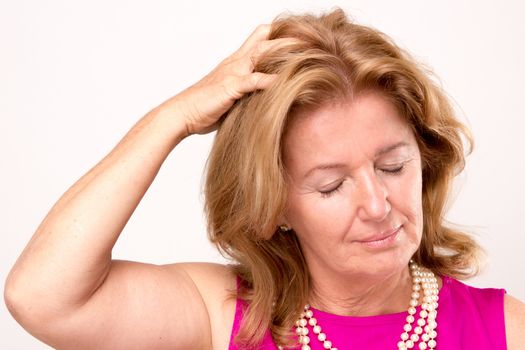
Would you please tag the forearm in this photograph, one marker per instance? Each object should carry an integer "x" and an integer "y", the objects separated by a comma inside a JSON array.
[{"x": 69, "y": 255}]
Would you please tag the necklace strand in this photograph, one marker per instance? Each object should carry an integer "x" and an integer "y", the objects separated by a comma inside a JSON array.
[{"x": 424, "y": 329}]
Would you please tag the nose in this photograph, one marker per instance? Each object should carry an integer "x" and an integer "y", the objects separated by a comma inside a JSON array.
[{"x": 373, "y": 204}]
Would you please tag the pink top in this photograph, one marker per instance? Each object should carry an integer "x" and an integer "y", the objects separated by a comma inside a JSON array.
[{"x": 468, "y": 318}]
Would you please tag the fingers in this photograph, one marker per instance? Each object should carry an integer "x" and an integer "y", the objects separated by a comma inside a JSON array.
[
  {"x": 245, "y": 58},
  {"x": 266, "y": 45},
  {"x": 260, "y": 33},
  {"x": 249, "y": 83},
  {"x": 236, "y": 86},
  {"x": 208, "y": 99},
  {"x": 244, "y": 79},
  {"x": 255, "y": 81},
  {"x": 246, "y": 64}
]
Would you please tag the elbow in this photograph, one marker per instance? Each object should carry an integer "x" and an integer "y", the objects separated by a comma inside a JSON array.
[
  {"x": 29, "y": 310},
  {"x": 25, "y": 307},
  {"x": 14, "y": 300}
]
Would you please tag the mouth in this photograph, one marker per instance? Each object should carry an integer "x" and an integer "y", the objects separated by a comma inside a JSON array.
[{"x": 381, "y": 239}]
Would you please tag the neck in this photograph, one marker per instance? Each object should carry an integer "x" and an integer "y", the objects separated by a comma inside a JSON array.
[
  {"x": 388, "y": 290},
  {"x": 362, "y": 295}
]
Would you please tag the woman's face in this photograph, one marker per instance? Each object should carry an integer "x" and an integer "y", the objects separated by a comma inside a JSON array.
[{"x": 354, "y": 196}]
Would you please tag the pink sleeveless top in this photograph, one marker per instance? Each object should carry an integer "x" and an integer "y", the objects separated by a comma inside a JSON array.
[{"x": 468, "y": 318}]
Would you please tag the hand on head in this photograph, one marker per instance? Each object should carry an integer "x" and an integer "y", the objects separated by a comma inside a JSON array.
[{"x": 207, "y": 100}]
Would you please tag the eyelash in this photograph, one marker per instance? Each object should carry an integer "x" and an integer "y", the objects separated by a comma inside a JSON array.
[{"x": 395, "y": 171}]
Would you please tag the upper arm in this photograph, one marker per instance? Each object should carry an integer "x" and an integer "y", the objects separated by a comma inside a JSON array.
[
  {"x": 218, "y": 288},
  {"x": 139, "y": 306},
  {"x": 514, "y": 322}
]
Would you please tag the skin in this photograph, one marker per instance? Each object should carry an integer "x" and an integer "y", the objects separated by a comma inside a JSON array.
[
  {"x": 67, "y": 291},
  {"x": 373, "y": 185},
  {"x": 358, "y": 190}
]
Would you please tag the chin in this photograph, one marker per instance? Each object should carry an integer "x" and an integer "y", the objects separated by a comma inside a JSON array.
[{"x": 381, "y": 262}]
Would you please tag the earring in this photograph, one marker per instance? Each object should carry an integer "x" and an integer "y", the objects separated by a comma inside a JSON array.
[{"x": 284, "y": 228}]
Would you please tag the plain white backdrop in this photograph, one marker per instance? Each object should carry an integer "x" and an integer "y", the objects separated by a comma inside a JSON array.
[{"x": 75, "y": 76}]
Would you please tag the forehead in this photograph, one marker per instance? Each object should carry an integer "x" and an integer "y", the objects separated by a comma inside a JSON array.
[{"x": 350, "y": 130}]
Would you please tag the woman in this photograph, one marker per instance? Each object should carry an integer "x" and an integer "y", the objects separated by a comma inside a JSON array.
[{"x": 328, "y": 175}]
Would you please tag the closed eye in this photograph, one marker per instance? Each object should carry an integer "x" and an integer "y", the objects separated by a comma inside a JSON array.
[
  {"x": 390, "y": 170},
  {"x": 395, "y": 170},
  {"x": 332, "y": 191}
]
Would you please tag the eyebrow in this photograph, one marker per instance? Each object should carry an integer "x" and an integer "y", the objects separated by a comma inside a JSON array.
[
  {"x": 382, "y": 151},
  {"x": 388, "y": 149}
]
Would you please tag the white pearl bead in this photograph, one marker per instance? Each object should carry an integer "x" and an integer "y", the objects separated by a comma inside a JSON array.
[
  {"x": 423, "y": 280},
  {"x": 306, "y": 339}
]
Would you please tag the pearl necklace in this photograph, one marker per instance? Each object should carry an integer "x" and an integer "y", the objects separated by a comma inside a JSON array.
[{"x": 425, "y": 327}]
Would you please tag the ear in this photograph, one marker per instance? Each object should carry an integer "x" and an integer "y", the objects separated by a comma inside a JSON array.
[
  {"x": 282, "y": 221},
  {"x": 283, "y": 224}
]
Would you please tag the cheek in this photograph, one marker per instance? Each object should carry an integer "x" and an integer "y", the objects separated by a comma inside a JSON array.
[
  {"x": 406, "y": 199},
  {"x": 313, "y": 215}
]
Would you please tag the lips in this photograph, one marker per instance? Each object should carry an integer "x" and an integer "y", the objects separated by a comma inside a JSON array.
[{"x": 380, "y": 236}]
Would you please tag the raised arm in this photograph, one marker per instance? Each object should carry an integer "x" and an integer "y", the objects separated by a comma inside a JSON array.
[{"x": 67, "y": 291}]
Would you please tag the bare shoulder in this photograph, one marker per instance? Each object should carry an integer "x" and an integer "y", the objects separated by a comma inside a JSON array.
[
  {"x": 514, "y": 322},
  {"x": 214, "y": 281},
  {"x": 217, "y": 286},
  {"x": 207, "y": 273}
]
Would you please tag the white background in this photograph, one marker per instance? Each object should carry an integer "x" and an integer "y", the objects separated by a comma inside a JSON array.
[{"x": 75, "y": 76}]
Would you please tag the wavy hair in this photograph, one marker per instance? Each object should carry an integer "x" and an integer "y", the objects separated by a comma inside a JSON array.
[{"x": 245, "y": 187}]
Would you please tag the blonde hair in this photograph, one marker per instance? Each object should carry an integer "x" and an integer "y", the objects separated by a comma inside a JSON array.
[{"x": 245, "y": 188}]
